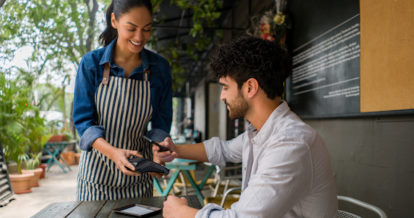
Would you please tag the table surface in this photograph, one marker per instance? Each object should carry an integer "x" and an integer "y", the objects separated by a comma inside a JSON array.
[{"x": 104, "y": 208}]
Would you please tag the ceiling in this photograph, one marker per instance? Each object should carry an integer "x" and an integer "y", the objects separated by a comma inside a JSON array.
[{"x": 172, "y": 25}]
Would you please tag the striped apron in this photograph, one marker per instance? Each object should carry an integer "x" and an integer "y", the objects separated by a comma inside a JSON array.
[{"x": 124, "y": 110}]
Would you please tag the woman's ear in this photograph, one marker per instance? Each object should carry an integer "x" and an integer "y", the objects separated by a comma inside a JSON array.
[
  {"x": 252, "y": 87},
  {"x": 114, "y": 21}
]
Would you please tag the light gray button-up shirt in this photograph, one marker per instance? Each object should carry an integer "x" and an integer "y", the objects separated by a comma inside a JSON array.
[{"x": 286, "y": 170}]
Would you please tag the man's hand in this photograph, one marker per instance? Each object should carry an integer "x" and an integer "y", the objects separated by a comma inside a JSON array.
[
  {"x": 175, "y": 207},
  {"x": 157, "y": 160},
  {"x": 165, "y": 156},
  {"x": 120, "y": 158}
]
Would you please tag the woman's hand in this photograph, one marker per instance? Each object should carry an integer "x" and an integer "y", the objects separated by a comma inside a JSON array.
[
  {"x": 120, "y": 158},
  {"x": 165, "y": 156}
]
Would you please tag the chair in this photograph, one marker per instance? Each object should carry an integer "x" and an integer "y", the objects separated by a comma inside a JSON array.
[
  {"x": 6, "y": 192},
  {"x": 226, "y": 175},
  {"x": 226, "y": 179},
  {"x": 229, "y": 201},
  {"x": 340, "y": 214},
  {"x": 346, "y": 214},
  {"x": 54, "y": 151}
]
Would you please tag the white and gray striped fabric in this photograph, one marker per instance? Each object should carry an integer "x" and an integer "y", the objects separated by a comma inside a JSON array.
[{"x": 124, "y": 110}]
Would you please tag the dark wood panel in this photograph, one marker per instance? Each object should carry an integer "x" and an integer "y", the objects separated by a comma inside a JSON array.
[
  {"x": 87, "y": 209},
  {"x": 60, "y": 209},
  {"x": 106, "y": 209}
]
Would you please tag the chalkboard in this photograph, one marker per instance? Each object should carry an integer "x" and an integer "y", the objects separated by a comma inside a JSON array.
[{"x": 326, "y": 47}]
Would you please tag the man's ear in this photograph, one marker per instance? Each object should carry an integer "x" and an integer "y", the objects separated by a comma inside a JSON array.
[
  {"x": 252, "y": 87},
  {"x": 113, "y": 21}
]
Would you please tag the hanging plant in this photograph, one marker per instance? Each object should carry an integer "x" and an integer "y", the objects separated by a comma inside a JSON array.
[{"x": 272, "y": 24}]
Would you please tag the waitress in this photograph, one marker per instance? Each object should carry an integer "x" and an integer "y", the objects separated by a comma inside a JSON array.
[{"x": 119, "y": 89}]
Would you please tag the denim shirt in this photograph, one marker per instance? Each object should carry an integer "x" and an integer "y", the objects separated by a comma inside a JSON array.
[{"x": 89, "y": 77}]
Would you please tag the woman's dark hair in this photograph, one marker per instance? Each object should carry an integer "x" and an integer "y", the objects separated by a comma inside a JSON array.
[
  {"x": 252, "y": 57},
  {"x": 119, "y": 7}
]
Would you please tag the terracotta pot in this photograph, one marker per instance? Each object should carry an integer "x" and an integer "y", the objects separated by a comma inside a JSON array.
[
  {"x": 77, "y": 158},
  {"x": 58, "y": 138},
  {"x": 34, "y": 182},
  {"x": 43, "y": 167},
  {"x": 69, "y": 157},
  {"x": 21, "y": 182}
]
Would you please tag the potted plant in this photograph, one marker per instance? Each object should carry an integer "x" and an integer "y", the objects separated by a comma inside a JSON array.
[
  {"x": 14, "y": 103},
  {"x": 31, "y": 168},
  {"x": 36, "y": 133},
  {"x": 21, "y": 183}
]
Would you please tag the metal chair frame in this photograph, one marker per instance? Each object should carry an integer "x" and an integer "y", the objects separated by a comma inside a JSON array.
[{"x": 346, "y": 214}]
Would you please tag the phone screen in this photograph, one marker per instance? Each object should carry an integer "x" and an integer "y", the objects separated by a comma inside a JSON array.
[{"x": 137, "y": 210}]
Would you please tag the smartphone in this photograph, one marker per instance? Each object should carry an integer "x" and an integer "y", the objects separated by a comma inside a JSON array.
[
  {"x": 162, "y": 148},
  {"x": 137, "y": 210}
]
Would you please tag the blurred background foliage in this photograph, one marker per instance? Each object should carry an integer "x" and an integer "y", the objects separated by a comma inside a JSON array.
[{"x": 53, "y": 35}]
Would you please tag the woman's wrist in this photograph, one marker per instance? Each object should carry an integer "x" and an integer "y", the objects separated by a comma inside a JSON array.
[{"x": 103, "y": 147}]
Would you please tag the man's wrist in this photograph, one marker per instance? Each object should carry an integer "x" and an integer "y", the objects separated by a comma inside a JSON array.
[{"x": 187, "y": 211}]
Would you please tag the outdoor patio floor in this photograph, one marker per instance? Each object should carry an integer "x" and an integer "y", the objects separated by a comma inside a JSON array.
[{"x": 56, "y": 187}]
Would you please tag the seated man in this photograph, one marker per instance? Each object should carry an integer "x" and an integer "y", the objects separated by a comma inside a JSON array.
[{"x": 286, "y": 167}]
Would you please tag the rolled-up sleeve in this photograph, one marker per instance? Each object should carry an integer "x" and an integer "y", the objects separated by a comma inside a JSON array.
[{"x": 84, "y": 111}]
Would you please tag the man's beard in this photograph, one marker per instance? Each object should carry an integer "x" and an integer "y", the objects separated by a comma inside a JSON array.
[{"x": 238, "y": 109}]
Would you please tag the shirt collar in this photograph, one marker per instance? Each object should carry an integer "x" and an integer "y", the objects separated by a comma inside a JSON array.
[
  {"x": 269, "y": 125},
  {"x": 107, "y": 55}
]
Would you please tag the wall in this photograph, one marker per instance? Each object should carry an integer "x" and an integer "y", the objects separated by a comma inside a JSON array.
[{"x": 373, "y": 160}]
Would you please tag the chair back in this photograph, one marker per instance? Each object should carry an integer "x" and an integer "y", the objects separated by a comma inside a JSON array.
[
  {"x": 6, "y": 192},
  {"x": 346, "y": 214}
]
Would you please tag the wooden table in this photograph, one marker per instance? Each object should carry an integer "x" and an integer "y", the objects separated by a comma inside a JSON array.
[{"x": 103, "y": 208}]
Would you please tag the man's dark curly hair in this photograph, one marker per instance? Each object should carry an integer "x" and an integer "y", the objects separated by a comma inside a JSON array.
[{"x": 251, "y": 57}]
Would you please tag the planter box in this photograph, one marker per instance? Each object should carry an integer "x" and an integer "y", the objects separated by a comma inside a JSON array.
[
  {"x": 69, "y": 157},
  {"x": 58, "y": 138},
  {"x": 77, "y": 158},
  {"x": 43, "y": 167}
]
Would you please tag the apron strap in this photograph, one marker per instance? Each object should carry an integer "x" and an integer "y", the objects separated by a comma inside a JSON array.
[
  {"x": 105, "y": 78},
  {"x": 146, "y": 75},
  {"x": 107, "y": 67}
]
